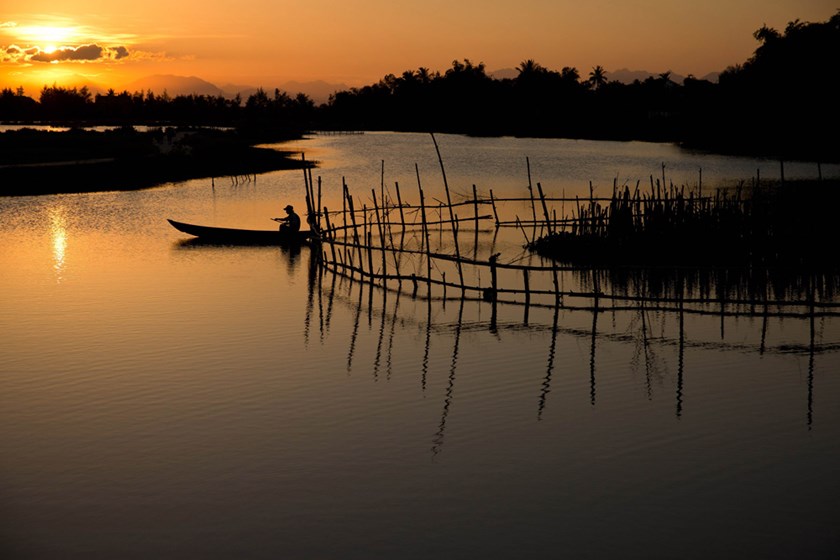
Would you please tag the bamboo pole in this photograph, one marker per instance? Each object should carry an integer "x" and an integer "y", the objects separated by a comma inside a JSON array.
[
  {"x": 531, "y": 190},
  {"x": 425, "y": 233},
  {"x": 475, "y": 241},
  {"x": 527, "y": 284},
  {"x": 369, "y": 235},
  {"x": 355, "y": 228},
  {"x": 381, "y": 241},
  {"x": 451, "y": 212},
  {"x": 330, "y": 235},
  {"x": 545, "y": 209},
  {"x": 344, "y": 197},
  {"x": 493, "y": 202},
  {"x": 491, "y": 294},
  {"x": 399, "y": 203}
]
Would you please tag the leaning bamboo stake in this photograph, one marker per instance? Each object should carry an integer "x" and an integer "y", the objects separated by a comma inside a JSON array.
[
  {"x": 303, "y": 168},
  {"x": 400, "y": 204},
  {"x": 475, "y": 206},
  {"x": 493, "y": 203},
  {"x": 545, "y": 209},
  {"x": 318, "y": 206},
  {"x": 355, "y": 228},
  {"x": 369, "y": 237},
  {"x": 492, "y": 295},
  {"x": 475, "y": 240},
  {"x": 527, "y": 284},
  {"x": 345, "y": 196},
  {"x": 396, "y": 255},
  {"x": 451, "y": 212},
  {"x": 425, "y": 234},
  {"x": 330, "y": 236},
  {"x": 382, "y": 181},
  {"x": 531, "y": 190},
  {"x": 381, "y": 241}
]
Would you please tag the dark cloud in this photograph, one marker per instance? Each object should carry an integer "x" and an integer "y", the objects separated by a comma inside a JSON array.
[
  {"x": 83, "y": 53},
  {"x": 87, "y": 52}
]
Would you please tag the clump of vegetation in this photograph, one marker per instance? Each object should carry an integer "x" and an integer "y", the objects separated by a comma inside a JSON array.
[
  {"x": 31, "y": 146},
  {"x": 790, "y": 224},
  {"x": 43, "y": 162}
]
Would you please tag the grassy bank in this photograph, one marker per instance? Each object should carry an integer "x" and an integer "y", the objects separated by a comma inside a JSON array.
[{"x": 34, "y": 162}]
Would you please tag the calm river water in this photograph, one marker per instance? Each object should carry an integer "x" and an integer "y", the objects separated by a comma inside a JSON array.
[{"x": 165, "y": 400}]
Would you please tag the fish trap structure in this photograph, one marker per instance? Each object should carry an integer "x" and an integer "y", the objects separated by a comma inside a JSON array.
[{"x": 439, "y": 249}]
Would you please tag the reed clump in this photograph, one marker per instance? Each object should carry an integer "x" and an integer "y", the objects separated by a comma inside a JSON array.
[{"x": 790, "y": 224}]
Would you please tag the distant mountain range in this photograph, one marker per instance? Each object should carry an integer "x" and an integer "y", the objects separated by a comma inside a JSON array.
[{"x": 319, "y": 90}]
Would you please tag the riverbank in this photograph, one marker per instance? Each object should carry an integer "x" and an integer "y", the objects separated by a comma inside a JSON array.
[{"x": 34, "y": 162}]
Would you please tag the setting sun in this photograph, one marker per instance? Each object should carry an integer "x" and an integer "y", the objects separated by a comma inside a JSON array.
[{"x": 47, "y": 36}]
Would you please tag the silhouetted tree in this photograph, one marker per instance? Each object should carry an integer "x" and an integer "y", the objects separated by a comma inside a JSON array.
[
  {"x": 60, "y": 103},
  {"x": 597, "y": 77},
  {"x": 15, "y": 105}
]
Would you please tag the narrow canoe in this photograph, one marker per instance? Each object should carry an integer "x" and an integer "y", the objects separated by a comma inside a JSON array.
[{"x": 233, "y": 236}]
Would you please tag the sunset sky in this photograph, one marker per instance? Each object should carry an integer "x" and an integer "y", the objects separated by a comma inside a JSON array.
[{"x": 357, "y": 42}]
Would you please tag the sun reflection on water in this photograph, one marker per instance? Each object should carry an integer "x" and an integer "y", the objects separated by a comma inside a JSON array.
[{"x": 58, "y": 232}]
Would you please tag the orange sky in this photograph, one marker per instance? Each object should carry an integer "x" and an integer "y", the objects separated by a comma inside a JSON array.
[{"x": 267, "y": 42}]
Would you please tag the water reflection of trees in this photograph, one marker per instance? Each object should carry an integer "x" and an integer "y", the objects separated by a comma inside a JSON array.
[{"x": 644, "y": 298}]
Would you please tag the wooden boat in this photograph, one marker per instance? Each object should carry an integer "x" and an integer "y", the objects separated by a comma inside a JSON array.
[{"x": 233, "y": 236}]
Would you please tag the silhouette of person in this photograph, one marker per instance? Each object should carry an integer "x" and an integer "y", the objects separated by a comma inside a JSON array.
[{"x": 291, "y": 223}]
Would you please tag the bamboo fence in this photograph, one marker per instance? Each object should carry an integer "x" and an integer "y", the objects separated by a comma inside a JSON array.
[{"x": 395, "y": 244}]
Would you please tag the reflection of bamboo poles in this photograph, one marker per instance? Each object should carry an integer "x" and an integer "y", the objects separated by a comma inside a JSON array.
[
  {"x": 552, "y": 349},
  {"x": 592, "y": 353},
  {"x": 437, "y": 440},
  {"x": 810, "y": 415},
  {"x": 389, "y": 316},
  {"x": 681, "y": 353}
]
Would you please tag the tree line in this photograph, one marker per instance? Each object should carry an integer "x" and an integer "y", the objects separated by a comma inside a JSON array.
[{"x": 778, "y": 103}]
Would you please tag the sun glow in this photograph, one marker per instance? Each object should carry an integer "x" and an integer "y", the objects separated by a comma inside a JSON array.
[{"x": 48, "y": 34}]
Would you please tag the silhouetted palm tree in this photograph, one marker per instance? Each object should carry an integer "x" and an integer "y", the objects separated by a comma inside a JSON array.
[
  {"x": 598, "y": 77},
  {"x": 424, "y": 76},
  {"x": 529, "y": 68}
]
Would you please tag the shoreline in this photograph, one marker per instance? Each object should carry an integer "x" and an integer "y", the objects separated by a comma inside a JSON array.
[
  {"x": 40, "y": 163},
  {"x": 127, "y": 174}
]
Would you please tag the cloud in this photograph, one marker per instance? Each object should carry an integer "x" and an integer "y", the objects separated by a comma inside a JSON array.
[
  {"x": 7, "y": 24},
  {"x": 82, "y": 53}
]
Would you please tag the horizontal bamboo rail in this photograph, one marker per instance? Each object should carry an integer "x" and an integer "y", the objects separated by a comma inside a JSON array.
[{"x": 348, "y": 249}]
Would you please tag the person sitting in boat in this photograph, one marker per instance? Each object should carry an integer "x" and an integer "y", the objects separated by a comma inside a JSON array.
[{"x": 291, "y": 223}]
